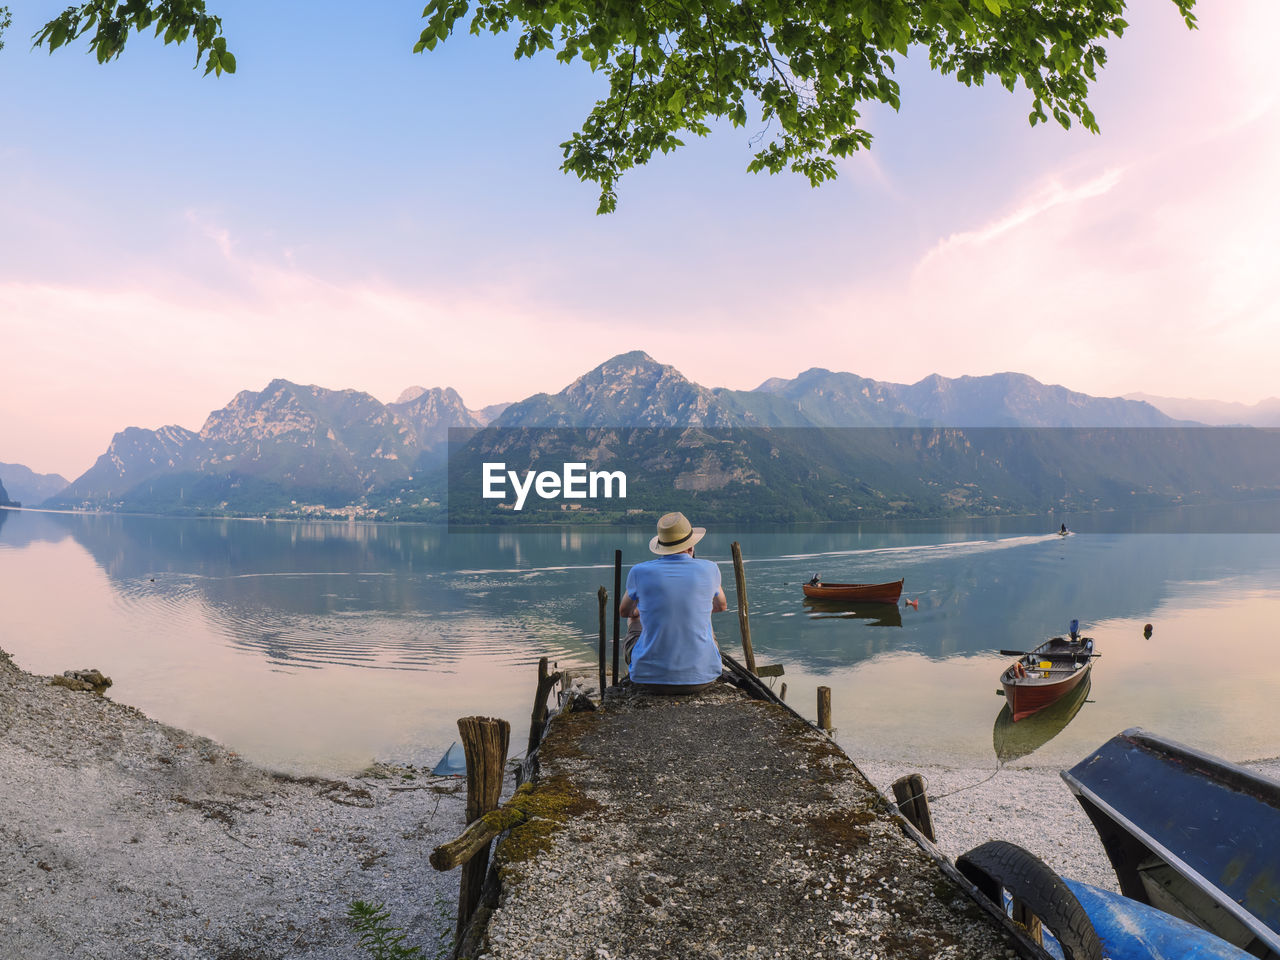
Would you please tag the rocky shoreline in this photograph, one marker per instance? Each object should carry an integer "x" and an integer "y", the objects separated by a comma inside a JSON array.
[{"x": 121, "y": 837}]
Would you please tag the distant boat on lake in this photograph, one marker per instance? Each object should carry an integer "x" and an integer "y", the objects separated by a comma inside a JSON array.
[{"x": 815, "y": 589}]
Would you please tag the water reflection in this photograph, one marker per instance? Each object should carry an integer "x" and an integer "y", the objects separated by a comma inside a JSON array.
[
  {"x": 393, "y": 631},
  {"x": 403, "y": 596},
  {"x": 875, "y": 614},
  {"x": 1012, "y": 741}
]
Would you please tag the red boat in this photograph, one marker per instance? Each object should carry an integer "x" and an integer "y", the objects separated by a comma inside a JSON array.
[
  {"x": 1046, "y": 674},
  {"x": 865, "y": 592}
]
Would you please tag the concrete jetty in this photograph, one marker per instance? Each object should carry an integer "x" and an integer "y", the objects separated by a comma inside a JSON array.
[{"x": 716, "y": 825}]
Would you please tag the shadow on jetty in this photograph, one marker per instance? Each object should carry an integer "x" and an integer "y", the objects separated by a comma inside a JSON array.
[
  {"x": 875, "y": 614},
  {"x": 1012, "y": 741}
]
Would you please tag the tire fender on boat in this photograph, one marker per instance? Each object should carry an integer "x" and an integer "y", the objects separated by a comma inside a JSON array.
[{"x": 1000, "y": 866}]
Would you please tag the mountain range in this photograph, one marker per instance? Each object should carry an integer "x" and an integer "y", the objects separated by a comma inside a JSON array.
[
  {"x": 26, "y": 486},
  {"x": 1264, "y": 413},
  {"x": 291, "y": 450}
]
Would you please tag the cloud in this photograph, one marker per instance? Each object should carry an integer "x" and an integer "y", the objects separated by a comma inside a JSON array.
[
  {"x": 1046, "y": 198},
  {"x": 96, "y": 357}
]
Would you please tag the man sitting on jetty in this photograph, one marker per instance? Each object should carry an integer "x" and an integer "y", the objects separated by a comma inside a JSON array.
[{"x": 674, "y": 596}]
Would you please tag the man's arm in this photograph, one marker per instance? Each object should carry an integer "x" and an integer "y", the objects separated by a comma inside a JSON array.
[
  {"x": 627, "y": 608},
  {"x": 719, "y": 603}
]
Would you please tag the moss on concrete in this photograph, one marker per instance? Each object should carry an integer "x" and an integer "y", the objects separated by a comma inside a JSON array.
[{"x": 548, "y": 806}]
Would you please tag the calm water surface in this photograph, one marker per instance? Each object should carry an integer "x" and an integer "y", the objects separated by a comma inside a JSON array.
[{"x": 318, "y": 646}]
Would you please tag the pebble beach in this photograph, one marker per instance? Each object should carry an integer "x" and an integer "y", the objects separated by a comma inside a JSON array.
[{"x": 121, "y": 838}]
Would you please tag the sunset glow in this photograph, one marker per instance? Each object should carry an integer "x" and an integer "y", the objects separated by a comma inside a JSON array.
[{"x": 168, "y": 240}]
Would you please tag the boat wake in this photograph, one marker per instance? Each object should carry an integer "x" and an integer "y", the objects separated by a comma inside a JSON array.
[{"x": 918, "y": 551}]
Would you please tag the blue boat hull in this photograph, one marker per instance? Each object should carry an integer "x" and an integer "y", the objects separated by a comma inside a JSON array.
[
  {"x": 1189, "y": 833},
  {"x": 1134, "y": 931}
]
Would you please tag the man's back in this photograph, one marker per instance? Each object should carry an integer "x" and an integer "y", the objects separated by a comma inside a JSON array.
[{"x": 674, "y": 594}]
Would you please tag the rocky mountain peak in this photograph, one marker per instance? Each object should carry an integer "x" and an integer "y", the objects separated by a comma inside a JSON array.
[
  {"x": 430, "y": 413},
  {"x": 270, "y": 413},
  {"x": 631, "y": 389}
]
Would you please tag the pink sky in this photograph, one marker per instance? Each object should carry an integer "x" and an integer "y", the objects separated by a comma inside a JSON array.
[{"x": 963, "y": 243}]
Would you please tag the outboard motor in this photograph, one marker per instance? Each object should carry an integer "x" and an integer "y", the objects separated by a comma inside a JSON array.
[{"x": 1075, "y": 629}]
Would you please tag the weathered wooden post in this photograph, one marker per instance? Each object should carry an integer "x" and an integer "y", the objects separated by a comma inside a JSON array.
[
  {"x": 617, "y": 609},
  {"x": 538, "y": 719},
  {"x": 485, "y": 741},
  {"x": 603, "y": 594},
  {"x": 908, "y": 793},
  {"x": 744, "y": 622},
  {"x": 824, "y": 708}
]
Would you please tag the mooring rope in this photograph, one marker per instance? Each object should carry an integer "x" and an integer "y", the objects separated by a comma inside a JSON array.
[{"x": 952, "y": 793}]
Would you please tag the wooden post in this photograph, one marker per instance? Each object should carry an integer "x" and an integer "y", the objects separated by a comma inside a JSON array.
[
  {"x": 485, "y": 742},
  {"x": 782, "y": 694},
  {"x": 617, "y": 609},
  {"x": 603, "y": 594},
  {"x": 1022, "y": 914},
  {"x": 744, "y": 622},
  {"x": 538, "y": 719},
  {"x": 908, "y": 793},
  {"x": 824, "y": 708}
]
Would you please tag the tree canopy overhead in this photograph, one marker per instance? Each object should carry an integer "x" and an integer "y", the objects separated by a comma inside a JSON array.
[{"x": 798, "y": 70}]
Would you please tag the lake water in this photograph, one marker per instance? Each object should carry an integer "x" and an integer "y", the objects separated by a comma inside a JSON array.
[{"x": 318, "y": 646}]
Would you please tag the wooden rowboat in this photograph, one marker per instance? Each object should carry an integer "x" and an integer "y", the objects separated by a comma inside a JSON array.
[
  {"x": 1013, "y": 741},
  {"x": 1046, "y": 674},
  {"x": 865, "y": 592}
]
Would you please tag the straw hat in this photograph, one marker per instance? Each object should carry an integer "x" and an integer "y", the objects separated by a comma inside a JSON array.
[{"x": 675, "y": 535}]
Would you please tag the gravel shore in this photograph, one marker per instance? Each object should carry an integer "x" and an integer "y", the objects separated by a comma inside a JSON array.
[
  {"x": 1026, "y": 805},
  {"x": 1023, "y": 803},
  {"x": 122, "y": 838}
]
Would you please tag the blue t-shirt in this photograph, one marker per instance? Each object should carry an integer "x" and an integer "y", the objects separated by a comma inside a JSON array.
[{"x": 674, "y": 595}]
